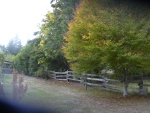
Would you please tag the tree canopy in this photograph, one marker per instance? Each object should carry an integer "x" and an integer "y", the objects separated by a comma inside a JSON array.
[
  {"x": 14, "y": 46},
  {"x": 109, "y": 35},
  {"x": 54, "y": 27}
]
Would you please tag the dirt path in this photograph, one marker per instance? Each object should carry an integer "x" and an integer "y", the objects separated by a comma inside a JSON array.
[{"x": 65, "y": 97}]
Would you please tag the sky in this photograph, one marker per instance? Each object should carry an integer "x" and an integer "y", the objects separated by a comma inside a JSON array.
[{"x": 22, "y": 18}]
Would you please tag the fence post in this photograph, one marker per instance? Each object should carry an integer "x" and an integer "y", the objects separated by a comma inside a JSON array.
[
  {"x": 105, "y": 82},
  {"x": 67, "y": 76},
  {"x": 85, "y": 82},
  {"x": 54, "y": 75},
  {"x": 142, "y": 91}
]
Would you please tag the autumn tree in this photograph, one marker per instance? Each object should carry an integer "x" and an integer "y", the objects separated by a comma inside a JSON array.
[{"x": 109, "y": 35}]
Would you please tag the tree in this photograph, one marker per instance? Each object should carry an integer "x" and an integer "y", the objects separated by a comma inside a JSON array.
[
  {"x": 3, "y": 49},
  {"x": 54, "y": 27},
  {"x": 9, "y": 57},
  {"x": 27, "y": 60},
  {"x": 45, "y": 52},
  {"x": 112, "y": 36},
  {"x": 14, "y": 46}
]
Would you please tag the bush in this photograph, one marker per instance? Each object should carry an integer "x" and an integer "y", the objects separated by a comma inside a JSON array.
[{"x": 41, "y": 73}]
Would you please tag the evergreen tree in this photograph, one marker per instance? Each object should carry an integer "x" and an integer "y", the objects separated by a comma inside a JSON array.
[{"x": 14, "y": 46}]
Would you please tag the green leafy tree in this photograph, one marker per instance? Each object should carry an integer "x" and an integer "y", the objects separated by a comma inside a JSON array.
[
  {"x": 54, "y": 27},
  {"x": 25, "y": 61},
  {"x": 21, "y": 61},
  {"x": 35, "y": 59},
  {"x": 9, "y": 57},
  {"x": 45, "y": 52},
  {"x": 112, "y": 36}
]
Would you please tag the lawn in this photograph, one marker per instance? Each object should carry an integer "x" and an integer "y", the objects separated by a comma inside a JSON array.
[{"x": 65, "y": 97}]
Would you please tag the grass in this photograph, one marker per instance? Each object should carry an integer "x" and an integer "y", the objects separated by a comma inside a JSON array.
[{"x": 67, "y": 97}]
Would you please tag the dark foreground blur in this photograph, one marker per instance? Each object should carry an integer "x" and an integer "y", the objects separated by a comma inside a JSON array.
[{"x": 7, "y": 106}]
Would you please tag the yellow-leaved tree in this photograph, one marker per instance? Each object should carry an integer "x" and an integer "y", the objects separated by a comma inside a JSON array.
[{"x": 110, "y": 34}]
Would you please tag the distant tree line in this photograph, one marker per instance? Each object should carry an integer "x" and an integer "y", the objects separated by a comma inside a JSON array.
[{"x": 10, "y": 50}]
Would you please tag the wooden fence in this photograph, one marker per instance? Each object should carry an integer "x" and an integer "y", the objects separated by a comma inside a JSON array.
[
  {"x": 7, "y": 70},
  {"x": 105, "y": 83},
  {"x": 66, "y": 76},
  {"x": 90, "y": 80}
]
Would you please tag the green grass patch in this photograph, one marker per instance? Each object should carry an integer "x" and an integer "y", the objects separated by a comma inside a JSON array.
[{"x": 74, "y": 98}]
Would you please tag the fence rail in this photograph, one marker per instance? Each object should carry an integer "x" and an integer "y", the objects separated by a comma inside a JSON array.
[
  {"x": 90, "y": 80},
  {"x": 65, "y": 76},
  {"x": 104, "y": 83}
]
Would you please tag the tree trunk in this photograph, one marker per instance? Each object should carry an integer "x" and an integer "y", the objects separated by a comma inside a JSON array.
[
  {"x": 125, "y": 84},
  {"x": 125, "y": 89}
]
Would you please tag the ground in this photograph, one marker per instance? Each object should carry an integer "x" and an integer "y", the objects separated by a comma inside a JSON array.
[{"x": 65, "y": 97}]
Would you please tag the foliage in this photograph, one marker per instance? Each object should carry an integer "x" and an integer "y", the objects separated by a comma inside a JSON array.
[
  {"x": 14, "y": 46},
  {"x": 3, "y": 49},
  {"x": 9, "y": 57},
  {"x": 112, "y": 36},
  {"x": 2, "y": 94},
  {"x": 27, "y": 60},
  {"x": 54, "y": 26},
  {"x": 2, "y": 59},
  {"x": 44, "y": 53},
  {"x": 41, "y": 72}
]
